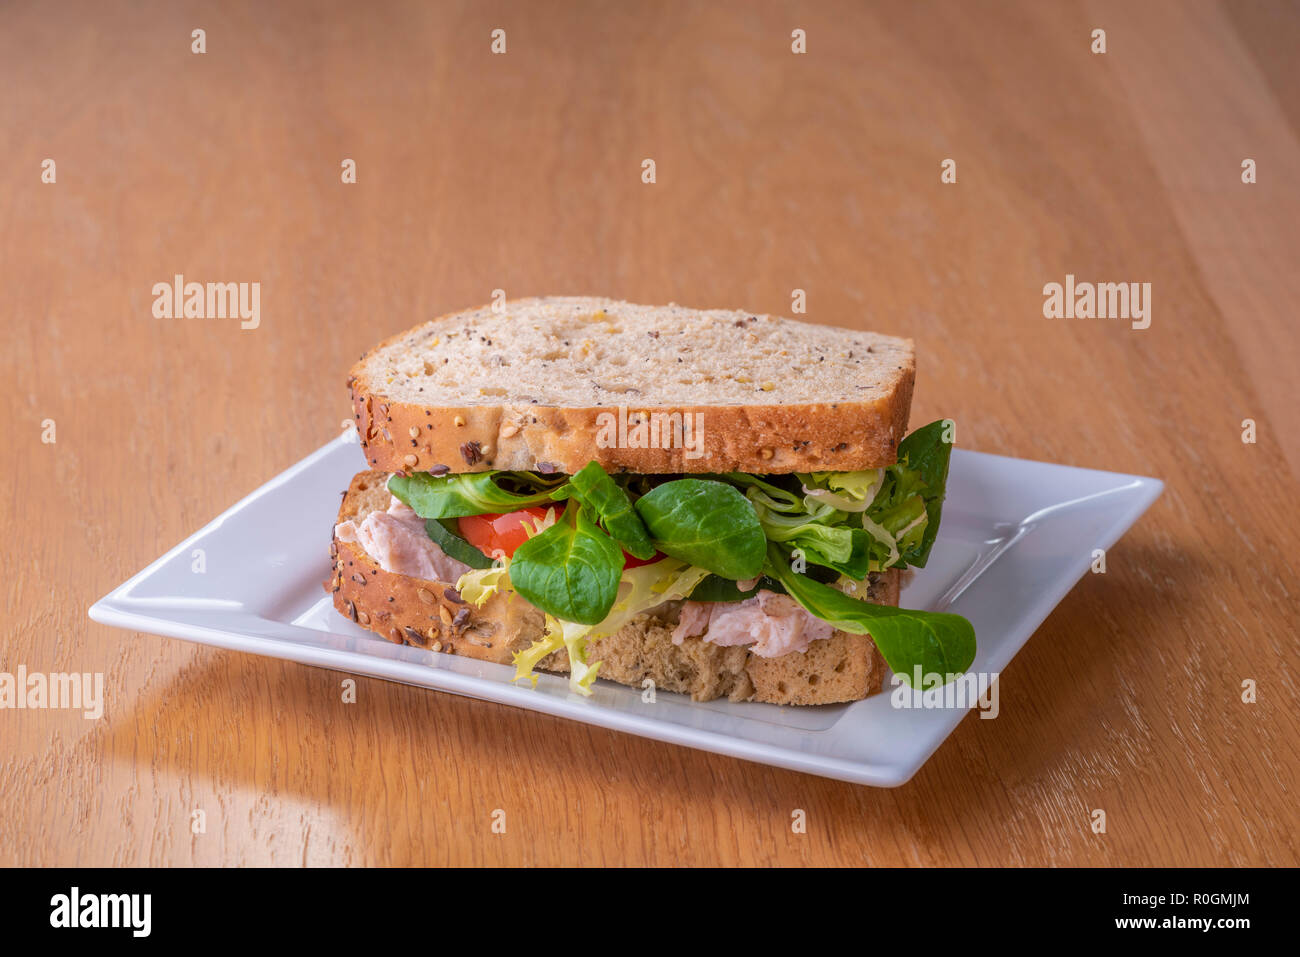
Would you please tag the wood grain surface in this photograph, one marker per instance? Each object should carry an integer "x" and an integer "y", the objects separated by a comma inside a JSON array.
[{"x": 775, "y": 172}]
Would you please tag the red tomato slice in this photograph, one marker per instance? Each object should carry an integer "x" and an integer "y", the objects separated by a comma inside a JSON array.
[{"x": 492, "y": 534}]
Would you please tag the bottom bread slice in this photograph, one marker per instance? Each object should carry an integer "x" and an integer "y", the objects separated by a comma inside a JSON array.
[{"x": 433, "y": 616}]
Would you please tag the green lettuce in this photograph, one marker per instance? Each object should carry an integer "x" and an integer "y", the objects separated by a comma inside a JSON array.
[
  {"x": 791, "y": 533},
  {"x": 475, "y": 493},
  {"x": 639, "y": 590}
]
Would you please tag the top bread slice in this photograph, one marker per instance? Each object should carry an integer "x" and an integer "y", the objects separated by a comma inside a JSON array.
[{"x": 553, "y": 383}]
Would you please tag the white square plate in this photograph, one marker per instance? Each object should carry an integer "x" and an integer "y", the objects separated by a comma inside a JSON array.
[{"x": 1016, "y": 536}]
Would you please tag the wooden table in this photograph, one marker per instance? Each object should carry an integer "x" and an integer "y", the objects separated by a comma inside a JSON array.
[{"x": 775, "y": 171}]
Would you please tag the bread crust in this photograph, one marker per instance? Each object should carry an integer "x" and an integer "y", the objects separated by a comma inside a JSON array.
[
  {"x": 432, "y": 615},
  {"x": 400, "y": 436}
]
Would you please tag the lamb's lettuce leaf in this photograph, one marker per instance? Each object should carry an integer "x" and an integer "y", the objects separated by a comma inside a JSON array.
[
  {"x": 707, "y": 523},
  {"x": 593, "y": 487},
  {"x": 936, "y": 642},
  {"x": 571, "y": 570},
  {"x": 474, "y": 493}
]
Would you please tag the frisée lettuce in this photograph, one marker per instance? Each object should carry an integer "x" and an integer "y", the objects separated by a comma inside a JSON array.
[{"x": 639, "y": 590}]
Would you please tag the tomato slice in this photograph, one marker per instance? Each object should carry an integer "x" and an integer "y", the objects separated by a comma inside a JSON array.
[{"x": 500, "y": 534}]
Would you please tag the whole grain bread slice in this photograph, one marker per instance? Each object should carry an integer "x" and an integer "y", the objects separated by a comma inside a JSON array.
[
  {"x": 432, "y": 615},
  {"x": 553, "y": 383}
]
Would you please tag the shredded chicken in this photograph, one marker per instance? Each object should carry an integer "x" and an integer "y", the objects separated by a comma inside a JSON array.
[
  {"x": 397, "y": 540},
  {"x": 774, "y": 624}
]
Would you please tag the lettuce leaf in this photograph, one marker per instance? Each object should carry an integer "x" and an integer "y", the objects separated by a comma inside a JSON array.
[
  {"x": 474, "y": 493},
  {"x": 571, "y": 569},
  {"x": 935, "y": 642},
  {"x": 909, "y": 504},
  {"x": 716, "y": 530},
  {"x": 593, "y": 487},
  {"x": 477, "y": 586},
  {"x": 846, "y": 491},
  {"x": 559, "y": 634},
  {"x": 640, "y": 589}
]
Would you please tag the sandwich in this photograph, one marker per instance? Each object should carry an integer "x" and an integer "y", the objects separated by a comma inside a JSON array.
[{"x": 706, "y": 502}]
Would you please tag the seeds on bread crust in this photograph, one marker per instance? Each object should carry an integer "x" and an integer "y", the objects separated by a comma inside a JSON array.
[{"x": 472, "y": 453}]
